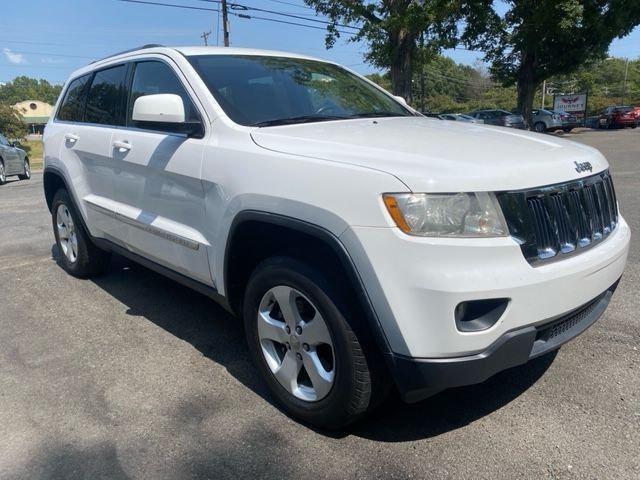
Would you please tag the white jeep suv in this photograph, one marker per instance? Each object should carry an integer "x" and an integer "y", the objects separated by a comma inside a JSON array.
[{"x": 364, "y": 245}]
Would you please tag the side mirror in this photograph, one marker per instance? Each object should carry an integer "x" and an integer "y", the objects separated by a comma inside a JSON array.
[
  {"x": 164, "y": 112},
  {"x": 160, "y": 108},
  {"x": 401, "y": 100}
]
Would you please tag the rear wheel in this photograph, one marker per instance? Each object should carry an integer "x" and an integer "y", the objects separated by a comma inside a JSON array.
[
  {"x": 540, "y": 127},
  {"x": 77, "y": 254},
  {"x": 26, "y": 175},
  {"x": 3, "y": 174},
  {"x": 300, "y": 337}
]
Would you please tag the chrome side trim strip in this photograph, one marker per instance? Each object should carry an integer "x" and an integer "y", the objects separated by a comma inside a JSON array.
[{"x": 172, "y": 237}]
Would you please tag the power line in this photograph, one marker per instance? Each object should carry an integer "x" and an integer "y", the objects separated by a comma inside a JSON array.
[
  {"x": 187, "y": 7},
  {"x": 239, "y": 6},
  {"x": 239, "y": 15},
  {"x": 292, "y": 4}
]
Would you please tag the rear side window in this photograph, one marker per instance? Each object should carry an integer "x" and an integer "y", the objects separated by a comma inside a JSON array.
[
  {"x": 106, "y": 97},
  {"x": 153, "y": 77},
  {"x": 72, "y": 106}
]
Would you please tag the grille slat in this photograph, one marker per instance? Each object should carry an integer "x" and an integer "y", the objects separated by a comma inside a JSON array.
[{"x": 562, "y": 219}]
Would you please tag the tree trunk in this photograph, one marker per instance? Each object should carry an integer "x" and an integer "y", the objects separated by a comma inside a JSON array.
[
  {"x": 403, "y": 48},
  {"x": 527, "y": 85}
]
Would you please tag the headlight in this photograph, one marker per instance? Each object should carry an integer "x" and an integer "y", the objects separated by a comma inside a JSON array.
[{"x": 447, "y": 214}]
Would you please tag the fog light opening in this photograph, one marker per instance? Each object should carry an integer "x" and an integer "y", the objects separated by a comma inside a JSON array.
[{"x": 478, "y": 315}]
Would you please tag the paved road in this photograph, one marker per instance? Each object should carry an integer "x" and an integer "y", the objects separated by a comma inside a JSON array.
[{"x": 134, "y": 376}]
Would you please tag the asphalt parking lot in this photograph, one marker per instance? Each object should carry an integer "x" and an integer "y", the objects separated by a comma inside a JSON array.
[{"x": 134, "y": 376}]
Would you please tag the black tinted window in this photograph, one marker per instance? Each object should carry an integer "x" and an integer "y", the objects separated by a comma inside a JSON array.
[
  {"x": 151, "y": 78},
  {"x": 72, "y": 106},
  {"x": 106, "y": 97}
]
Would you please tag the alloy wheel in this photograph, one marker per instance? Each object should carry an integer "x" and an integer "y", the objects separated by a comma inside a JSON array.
[
  {"x": 3, "y": 177},
  {"x": 27, "y": 170},
  {"x": 296, "y": 343},
  {"x": 67, "y": 233}
]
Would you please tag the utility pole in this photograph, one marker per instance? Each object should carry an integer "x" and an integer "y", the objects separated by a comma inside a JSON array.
[
  {"x": 544, "y": 90},
  {"x": 205, "y": 37},
  {"x": 225, "y": 23}
]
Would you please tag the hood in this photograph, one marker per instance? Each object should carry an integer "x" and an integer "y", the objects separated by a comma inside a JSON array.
[{"x": 431, "y": 155}]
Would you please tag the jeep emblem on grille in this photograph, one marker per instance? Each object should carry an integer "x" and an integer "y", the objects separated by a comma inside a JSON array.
[{"x": 583, "y": 167}]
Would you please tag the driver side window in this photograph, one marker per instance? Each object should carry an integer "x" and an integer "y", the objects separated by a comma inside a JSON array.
[{"x": 154, "y": 77}]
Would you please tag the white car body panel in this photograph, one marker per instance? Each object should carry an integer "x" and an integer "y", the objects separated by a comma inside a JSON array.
[{"x": 186, "y": 192}]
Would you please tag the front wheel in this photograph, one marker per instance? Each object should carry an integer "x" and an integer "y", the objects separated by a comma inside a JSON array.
[
  {"x": 26, "y": 175},
  {"x": 76, "y": 253},
  {"x": 540, "y": 127},
  {"x": 3, "y": 174},
  {"x": 304, "y": 346}
]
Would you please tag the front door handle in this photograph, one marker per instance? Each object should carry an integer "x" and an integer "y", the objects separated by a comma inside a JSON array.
[
  {"x": 71, "y": 137},
  {"x": 122, "y": 147}
]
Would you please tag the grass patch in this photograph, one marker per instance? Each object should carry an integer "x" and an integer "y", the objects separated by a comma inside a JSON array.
[{"x": 34, "y": 152}]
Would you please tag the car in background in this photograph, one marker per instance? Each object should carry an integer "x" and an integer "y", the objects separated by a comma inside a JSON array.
[
  {"x": 499, "y": 117},
  {"x": 618, "y": 117},
  {"x": 431, "y": 115},
  {"x": 13, "y": 161},
  {"x": 569, "y": 121},
  {"x": 460, "y": 117},
  {"x": 545, "y": 120}
]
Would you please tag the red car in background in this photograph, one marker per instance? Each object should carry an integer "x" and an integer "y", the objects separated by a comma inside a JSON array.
[{"x": 613, "y": 117}]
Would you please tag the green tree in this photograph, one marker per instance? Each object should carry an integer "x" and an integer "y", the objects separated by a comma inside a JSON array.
[
  {"x": 11, "y": 125},
  {"x": 392, "y": 29},
  {"x": 25, "y": 88},
  {"x": 536, "y": 39}
]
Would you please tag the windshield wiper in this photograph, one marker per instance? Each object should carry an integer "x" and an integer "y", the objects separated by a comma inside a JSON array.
[
  {"x": 378, "y": 114},
  {"x": 299, "y": 119}
]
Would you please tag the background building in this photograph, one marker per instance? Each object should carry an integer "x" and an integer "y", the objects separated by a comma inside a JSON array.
[{"x": 35, "y": 114}]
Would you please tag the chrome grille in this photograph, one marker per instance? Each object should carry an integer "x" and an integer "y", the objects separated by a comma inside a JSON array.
[{"x": 553, "y": 222}]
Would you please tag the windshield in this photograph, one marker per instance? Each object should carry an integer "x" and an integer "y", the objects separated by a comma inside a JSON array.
[
  {"x": 266, "y": 91},
  {"x": 623, "y": 109}
]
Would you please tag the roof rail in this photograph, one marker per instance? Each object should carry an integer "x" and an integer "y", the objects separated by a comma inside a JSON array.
[{"x": 149, "y": 45}]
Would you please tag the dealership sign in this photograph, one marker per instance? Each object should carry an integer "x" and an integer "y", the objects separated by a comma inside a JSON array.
[{"x": 576, "y": 104}]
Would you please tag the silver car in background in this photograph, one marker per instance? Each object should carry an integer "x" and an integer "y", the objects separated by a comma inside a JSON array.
[
  {"x": 459, "y": 117},
  {"x": 499, "y": 117},
  {"x": 545, "y": 120},
  {"x": 13, "y": 161}
]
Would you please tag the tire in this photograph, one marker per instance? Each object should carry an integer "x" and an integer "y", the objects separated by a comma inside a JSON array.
[
  {"x": 77, "y": 255},
  {"x": 540, "y": 127},
  {"x": 356, "y": 376},
  {"x": 3, "y": 174},
  {"x": 27, "y": 171}
]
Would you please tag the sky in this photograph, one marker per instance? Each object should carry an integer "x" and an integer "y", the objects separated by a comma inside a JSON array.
[{"x": 51, "y": 38}]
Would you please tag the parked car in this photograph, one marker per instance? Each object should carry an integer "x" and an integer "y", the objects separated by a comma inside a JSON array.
[
  {"x": 459, "y": 117},
  {"x": 545, "y": 120},
  {"x": 13, "y": 161},
  {"x": 569, "y": 121},
  {"x": 313, "y": 205},
  {"x": 499, "y": 117},
  {"x": 431, "y": 115},
  {"x": 618, "y": 117}
]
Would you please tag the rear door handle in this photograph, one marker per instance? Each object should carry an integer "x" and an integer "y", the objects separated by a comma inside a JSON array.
[
  {"x": 122, "y": 147},
  {"x": 71, "y": 137}
]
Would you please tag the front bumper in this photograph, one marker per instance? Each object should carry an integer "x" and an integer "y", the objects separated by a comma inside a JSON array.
[
  {"x": 420, "y": 378},
  {"x": 415, "y": 285}
]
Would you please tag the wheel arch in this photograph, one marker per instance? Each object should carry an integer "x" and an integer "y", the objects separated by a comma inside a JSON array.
[
  {"x": 280, "y": 234},
  {"x": 53, "y": 180}
]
